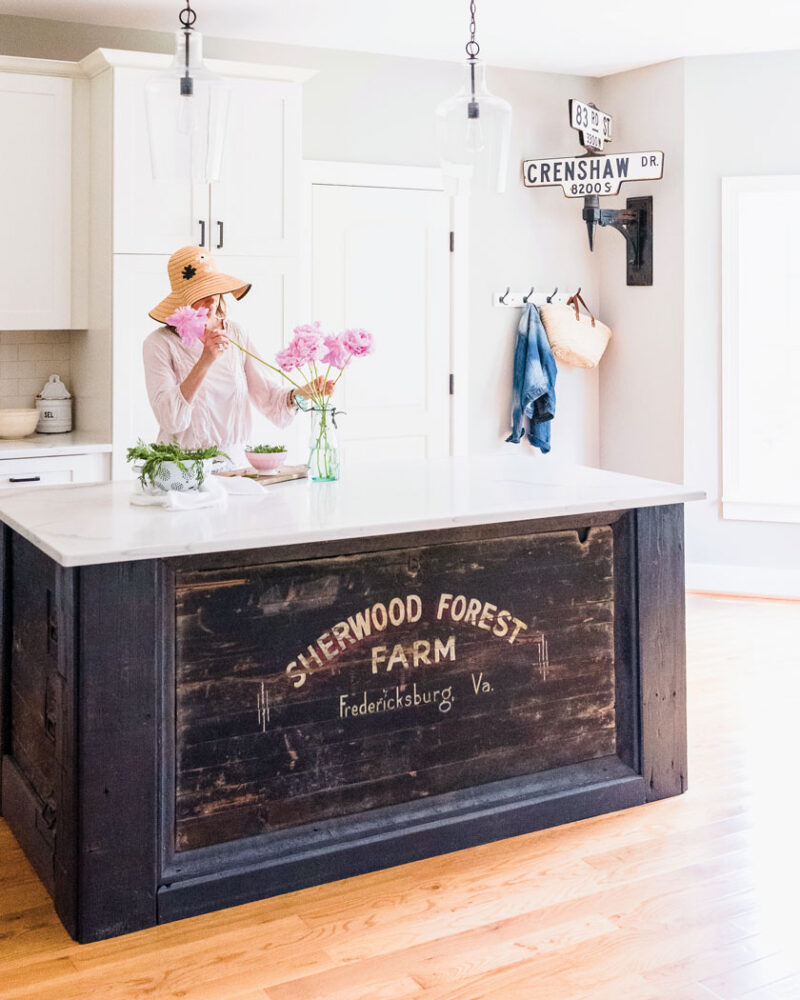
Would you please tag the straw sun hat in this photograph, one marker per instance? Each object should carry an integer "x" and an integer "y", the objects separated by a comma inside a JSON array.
[{"x": 193, "y": 275}]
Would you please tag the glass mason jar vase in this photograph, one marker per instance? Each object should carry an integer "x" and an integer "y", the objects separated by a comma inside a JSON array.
[{"x": 323, "y": 456}]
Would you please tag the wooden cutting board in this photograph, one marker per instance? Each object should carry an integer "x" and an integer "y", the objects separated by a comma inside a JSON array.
[{"x": 282, "y": 475}]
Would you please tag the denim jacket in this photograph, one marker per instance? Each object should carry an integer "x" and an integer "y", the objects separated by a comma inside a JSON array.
[{"x": 534, "y": 386}]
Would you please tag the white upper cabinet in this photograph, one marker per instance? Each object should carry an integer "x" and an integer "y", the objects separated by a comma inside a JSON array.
[
  {"x": 149, "y": 216},
  {"x": 255, "y": 205},
  {"x": 254, "y": 208},
  {"x": 36, "y": 181}
]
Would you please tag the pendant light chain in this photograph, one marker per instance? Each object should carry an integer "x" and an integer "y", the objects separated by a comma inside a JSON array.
[
  {"x": 472, "y": 46},
  {"x": 188, "y": 16}
]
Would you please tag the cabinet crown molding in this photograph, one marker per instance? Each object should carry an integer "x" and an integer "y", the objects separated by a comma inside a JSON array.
[
  {"x": 40, "y": 67},
  {"x": 102, "y": 59}
]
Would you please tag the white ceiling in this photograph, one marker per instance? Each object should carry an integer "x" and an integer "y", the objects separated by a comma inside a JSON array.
[{"x": 588, "y": 37}]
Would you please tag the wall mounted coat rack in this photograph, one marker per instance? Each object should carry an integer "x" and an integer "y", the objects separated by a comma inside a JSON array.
[
  {"x": 518, "y": 299},
  {"x": 594, "y": 175}
]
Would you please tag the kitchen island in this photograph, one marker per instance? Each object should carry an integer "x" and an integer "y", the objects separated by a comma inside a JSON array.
[{"x": 204, "y": 708}]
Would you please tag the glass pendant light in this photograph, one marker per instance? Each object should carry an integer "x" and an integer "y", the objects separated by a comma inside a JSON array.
[
  {"x": 187, "y": 112},
  {"x": 474, "y": 128}
]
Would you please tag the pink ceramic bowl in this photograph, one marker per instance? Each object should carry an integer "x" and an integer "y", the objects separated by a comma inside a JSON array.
[{"x": 266, "y": 461}]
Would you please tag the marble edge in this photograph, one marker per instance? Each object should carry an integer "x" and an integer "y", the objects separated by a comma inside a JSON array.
[
  {"x": 43, "y": 450},
  {"x": 92, "y": 558}
]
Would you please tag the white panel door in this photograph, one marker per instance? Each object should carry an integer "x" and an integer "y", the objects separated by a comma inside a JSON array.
[
  {"x": 35, "y": 180},
  {"x": 255, "y": 205},
  {"x": 149, "y": 216},
  {"x": 380, "y": 261}
]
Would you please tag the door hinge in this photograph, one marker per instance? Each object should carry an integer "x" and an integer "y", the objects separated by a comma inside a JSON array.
[
  {"x": 452, "y": 384},
  {"x": 452, "y": 241}
]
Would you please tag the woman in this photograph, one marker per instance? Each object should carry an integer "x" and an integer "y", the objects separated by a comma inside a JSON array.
[{"x": 201, "y": 392}]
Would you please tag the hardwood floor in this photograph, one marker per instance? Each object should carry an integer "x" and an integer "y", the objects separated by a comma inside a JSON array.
[{"x": 692, "y": 898}]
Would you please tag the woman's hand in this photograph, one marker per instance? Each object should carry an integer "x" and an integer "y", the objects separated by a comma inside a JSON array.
[
  {"x": 215, "y": 340},
  {"x": 319, "y": 387}
]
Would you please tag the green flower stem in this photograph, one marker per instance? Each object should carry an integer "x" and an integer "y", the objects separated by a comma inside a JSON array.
[
  {"x": 323, "y": 458},
  {"x": 318, "y": 399},
  {"x": 255, "y": 357}
]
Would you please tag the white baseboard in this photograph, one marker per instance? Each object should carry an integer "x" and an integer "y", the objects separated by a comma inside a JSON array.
[{"x": 756, "y": 581}]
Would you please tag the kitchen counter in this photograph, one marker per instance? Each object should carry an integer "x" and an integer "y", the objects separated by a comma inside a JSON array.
[
  {"x": 201, "y": 709},
  {"x": 83, "y": 525},
  {"x": 40, "y": 445}
]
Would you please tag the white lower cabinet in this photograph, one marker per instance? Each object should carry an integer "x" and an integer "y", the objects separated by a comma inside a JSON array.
[{"x": 53, "y": 470}]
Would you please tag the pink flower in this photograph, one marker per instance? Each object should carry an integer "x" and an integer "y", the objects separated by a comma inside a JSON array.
[
  {"x": 190, "y": 323},
  {"x": 288, "y": 358},
  {"x": 357, "y": 342},
  {"x": 306, "y": 343},
  {"x": 337, "y": 354}
]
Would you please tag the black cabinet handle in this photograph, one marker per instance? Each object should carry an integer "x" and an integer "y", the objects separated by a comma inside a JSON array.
[
  {"x": 221, "y": 231},
  {"x": 202, "y": 232},
  {"x": 24, "y": 479}
]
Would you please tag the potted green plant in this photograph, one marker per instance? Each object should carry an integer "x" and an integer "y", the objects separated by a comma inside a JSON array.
[{"x": 170, "y": 467}]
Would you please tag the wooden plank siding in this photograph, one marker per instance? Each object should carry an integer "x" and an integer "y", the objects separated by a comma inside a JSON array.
[{"x": 511, "y": 708}]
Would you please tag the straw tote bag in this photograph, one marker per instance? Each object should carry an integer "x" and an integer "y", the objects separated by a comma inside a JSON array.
[{"x": 575, "y": 339}]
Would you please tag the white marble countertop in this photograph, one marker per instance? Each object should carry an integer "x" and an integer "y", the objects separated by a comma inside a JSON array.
[
  {"x": 84, "y": 525},
  {"x": 41, "y": 445}
]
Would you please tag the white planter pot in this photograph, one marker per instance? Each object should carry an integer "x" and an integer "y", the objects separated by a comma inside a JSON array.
[{"x": 170, "y": 476}]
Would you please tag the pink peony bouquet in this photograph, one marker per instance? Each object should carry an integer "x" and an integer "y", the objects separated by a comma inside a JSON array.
[
  {"x": 311, "y": 350},
  {"x": 311, "y": 357},
  {"x": 312, "y": 354}
]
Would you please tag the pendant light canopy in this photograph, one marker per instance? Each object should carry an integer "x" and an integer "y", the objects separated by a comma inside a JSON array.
[
  {"x": 474, "y": 128},
  {"x": 187, "y": 112}
]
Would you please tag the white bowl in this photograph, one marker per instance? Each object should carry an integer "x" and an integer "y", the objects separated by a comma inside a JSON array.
[{"x": 18, "y": 423}]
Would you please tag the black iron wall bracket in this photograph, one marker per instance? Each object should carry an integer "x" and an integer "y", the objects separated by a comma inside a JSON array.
[{"x": 635, "y": 222}]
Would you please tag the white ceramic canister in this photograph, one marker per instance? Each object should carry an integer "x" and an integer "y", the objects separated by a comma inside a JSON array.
[{"x": 54, "y": 404}]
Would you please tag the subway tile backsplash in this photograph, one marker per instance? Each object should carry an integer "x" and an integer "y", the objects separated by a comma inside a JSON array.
[{"x": 27, "y": 357}]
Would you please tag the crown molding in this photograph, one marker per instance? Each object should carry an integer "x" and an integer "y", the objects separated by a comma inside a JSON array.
[
  {"x": 40, "y": 67},
  {"x": 102, "y": 59}
]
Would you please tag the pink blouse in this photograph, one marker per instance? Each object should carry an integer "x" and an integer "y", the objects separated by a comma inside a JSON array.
[{"x": 220, "y": 411}]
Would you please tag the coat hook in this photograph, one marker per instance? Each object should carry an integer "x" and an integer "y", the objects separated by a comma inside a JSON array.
[
  {"x": 503, "y": 297},
  {"x": 553, "y": 294},
  {"x": 526, "y": 297}
]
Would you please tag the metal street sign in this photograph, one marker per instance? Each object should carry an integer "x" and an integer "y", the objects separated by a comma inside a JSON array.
[
  {"x": 592, "y": 124},
  {"x": 581, "y": 176}
]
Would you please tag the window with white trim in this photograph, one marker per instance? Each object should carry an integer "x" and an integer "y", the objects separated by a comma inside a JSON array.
[{"x": 761, "y": 348}]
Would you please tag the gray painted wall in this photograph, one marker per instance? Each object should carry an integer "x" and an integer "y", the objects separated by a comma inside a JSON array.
[{"x": 641, "y": 428}]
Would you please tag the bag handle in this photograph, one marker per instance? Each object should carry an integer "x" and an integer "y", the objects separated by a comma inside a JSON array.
[{"x": 573, "y": 300}]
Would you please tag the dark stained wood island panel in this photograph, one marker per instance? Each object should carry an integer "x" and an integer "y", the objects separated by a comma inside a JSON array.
[{"x": 193, "y": 732}]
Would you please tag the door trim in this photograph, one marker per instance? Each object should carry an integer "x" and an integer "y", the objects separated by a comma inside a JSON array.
[{"x": 389, "y": 175}]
